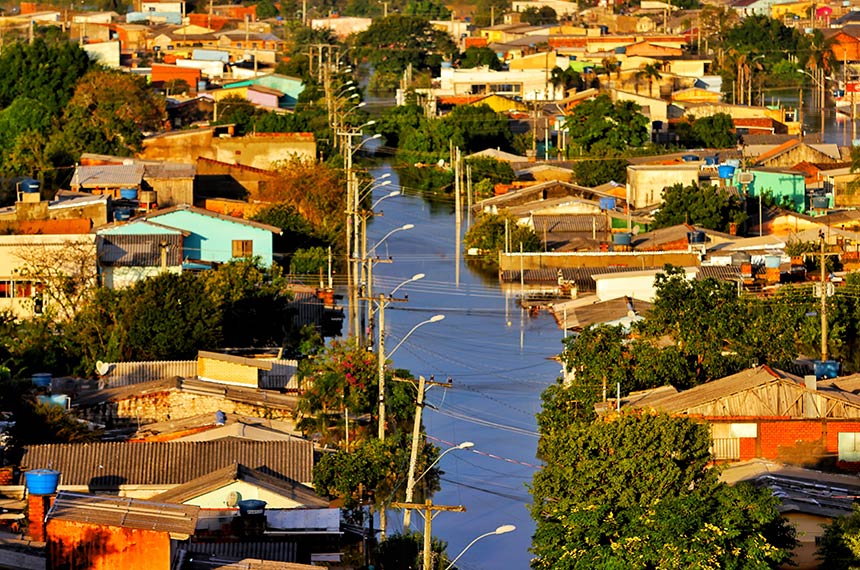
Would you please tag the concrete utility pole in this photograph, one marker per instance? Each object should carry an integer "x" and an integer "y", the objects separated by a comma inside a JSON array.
[
  {"x": 825, "y": 291},
  {"x": 428, "y": 507}
]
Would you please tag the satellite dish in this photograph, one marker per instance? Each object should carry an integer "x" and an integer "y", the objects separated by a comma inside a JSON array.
[
  {"x": 233, "y": 498},
  {"x": 102, "y": 368}
]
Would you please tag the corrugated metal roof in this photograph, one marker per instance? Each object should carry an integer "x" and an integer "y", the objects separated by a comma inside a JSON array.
[
  {"x": 120, "y": 250},
  {"x": 579, "y": 223},
  {"x": 124, "y": 512},
  {"x": 280, "y": 551},
  {"x": 107, "y": 175},
  {"x": 216, "y": 562},
  {"x": 581, "y": 276},
  {"x": 107, "y": 465},
  {"x": 237, "y": 472}
]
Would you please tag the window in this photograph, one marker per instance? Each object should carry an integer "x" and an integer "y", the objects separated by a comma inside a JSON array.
[
  {"x": 243, "y": 248},
  {"x": 23, "y": 289},
  {"x": 5, "y": 289},
  {"x": 849, "y": 447}
]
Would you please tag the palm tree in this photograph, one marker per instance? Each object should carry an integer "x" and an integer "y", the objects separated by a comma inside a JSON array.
[{"x": 651, "y": 71}]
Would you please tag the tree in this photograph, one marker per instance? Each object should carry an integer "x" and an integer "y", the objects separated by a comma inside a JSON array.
[
  {"x": 651, "y": 73},
  {"x": 312, "y": 190},
  {"x": 392, "y": 43},
  {"x": 600, "y": 124},
  {"x": 402, "y": 551},
  {"x": 715, "y": 131},
  {"x": 600, "y": 170},
  {"x": 840, "y": 545},
  {"x": 707, "y": 206},
  {"x": 488, "y": 233},
  {"x": 637, "y": 491},
  {"x": 478, "y": 57},
  {"x": 63, "y": 273},
  {"x": 539, "y": 16},
  {"x": 109, "y": 112}
]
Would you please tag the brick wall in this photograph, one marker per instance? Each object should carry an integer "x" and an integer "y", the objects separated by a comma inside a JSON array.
[
  {"x": 37, "y": 507},
  {"x": 98, "y": 547}
]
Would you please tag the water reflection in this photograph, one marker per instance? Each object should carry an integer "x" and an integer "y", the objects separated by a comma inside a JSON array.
[{"x": 499, "y": 361}]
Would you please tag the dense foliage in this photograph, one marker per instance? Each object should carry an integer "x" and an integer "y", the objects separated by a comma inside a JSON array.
[
  {"x": 706, "y": 206},
  {"x": 600, "y": 125},
  {"x": 840, "y": 545},
  {"x": 715, "y": 131},
  {"x": 638, "y": 491},
  {"x": 489, "y": 232}
]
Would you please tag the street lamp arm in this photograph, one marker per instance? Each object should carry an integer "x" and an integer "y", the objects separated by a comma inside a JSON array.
[
  {"x": 501, "y": 530},
  {"x": 433, "y": 319},
  {"x": 464, "y": 445},
  {"x": 389, "y": 234}
]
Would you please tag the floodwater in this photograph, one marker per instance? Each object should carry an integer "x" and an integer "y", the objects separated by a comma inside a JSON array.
[{"x": 498, "y": 359}]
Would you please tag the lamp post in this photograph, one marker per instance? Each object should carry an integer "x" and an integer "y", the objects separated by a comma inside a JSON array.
[
  {"x": 820, "y": 84},
  {"x": 381, "y": 357},
  {"x": 411, "y": 479},
  {"x": 504, "y": 529},
  {"x": 351, "y": 217}
]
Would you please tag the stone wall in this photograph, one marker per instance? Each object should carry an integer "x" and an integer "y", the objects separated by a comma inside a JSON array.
[{"x": 174, "y": 404}]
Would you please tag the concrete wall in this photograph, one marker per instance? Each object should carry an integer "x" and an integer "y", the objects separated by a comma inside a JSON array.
[
  {"x": 513, "y": 261},
  {"x": 228, "y": 372},
  {"x": 648, "y": 181},
  {"x": 120, "y": 277},
  {"x": 172, "y": 191},
  {"x": 217, "y": 499},
  {"x": 174, "y": 405}
]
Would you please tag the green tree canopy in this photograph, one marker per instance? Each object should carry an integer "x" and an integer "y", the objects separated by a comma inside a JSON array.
[
  {"x": 479, "y": 56},
  {"x": 706, "y": 206},
  {"x": 539, "y": 16},
  {"x": 600, "y": 124},
  {"x": 392, "y": 43},
  {"x": 488, "y": 233},
  {"x": 840, "y": 544},
  {"x": 637, "y": 491}
]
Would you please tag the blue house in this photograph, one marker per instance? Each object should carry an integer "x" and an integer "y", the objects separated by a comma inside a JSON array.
[{"x": 216, "y": 238}]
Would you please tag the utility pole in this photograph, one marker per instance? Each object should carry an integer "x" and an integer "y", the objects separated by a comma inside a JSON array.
[
  {"x": 381, "y": 362},
  {"x": 428, "y": 507},
  {"x": 825, "y": 291},
  {"x": 416, "y": 432}
]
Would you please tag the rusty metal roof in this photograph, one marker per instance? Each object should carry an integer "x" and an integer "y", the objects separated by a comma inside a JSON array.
[
  {"x": 124, "y": 512},
  {"x": 108, "y": 175},
  {"x": 107, "y": 465}
]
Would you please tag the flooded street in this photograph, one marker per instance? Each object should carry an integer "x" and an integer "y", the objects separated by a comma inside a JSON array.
[{"x": 498, "y": 360}]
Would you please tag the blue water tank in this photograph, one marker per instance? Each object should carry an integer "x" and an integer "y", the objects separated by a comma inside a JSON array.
[
  {"x": 41, "y": 379},
  {"x": 121, "y": 214},
  {"x": 607, "y": 203},
  {"x": 29, "y": 185},
  {"x": 42, "y": 481},
  {"x": 710, "y": 160},
  {"x": 128, "y": 193},
  {"x": 820, "y": 202},
  {"x": 622, "y": 238},
  {"x": 697, "y": 236},
  {"x": 690, "y": 158},
  {"x": 826, "y": 368},
  {"x": 251, "y": 507},
  {"x": 726, "y": 170},
  {"x": 59, "y": 400}
]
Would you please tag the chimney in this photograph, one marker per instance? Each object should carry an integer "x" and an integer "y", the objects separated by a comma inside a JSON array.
[{"x": 37, "y": 508}]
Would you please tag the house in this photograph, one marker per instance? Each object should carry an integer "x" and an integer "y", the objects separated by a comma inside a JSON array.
[
  {"x": 259, "y": 150},
  {"x": 639, "y": 285},
  {"x": 145, "y": 469},
  {"x": 534, "y": 194},
  {"x": 763, "y": 412},
  {"x": 793, "y": 152},
  {"x": 845, "y": 44},
  {"x": 231, "y": 181},
  {"x": 285, "y": 89},
  {"x": 215, "y": 238},
  {"x": 114, "y": 180},
  {"x": 579, "y": 314},
  {"x": 68, "y": 213},
  {"x": 647, "y": 181},
  {"x": 131, "y": 252},
  {"x": 101, "y": 532},
  {"x": 220, "y": 425},
  {"x": 780, "y": 183},
  {"x": 35, "y": 271},
  {"x": 213, "y": 490},
  {"x": 809, "y": 499}
]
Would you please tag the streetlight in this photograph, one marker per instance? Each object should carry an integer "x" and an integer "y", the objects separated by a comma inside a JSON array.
[
  {"x": 504, "y": 529},
  {"x": 821, "y": 85},
  {"x": 411, "y": 479},
  {"x": 381, "y": 357},
  {"x": 367, "y": 262}
]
